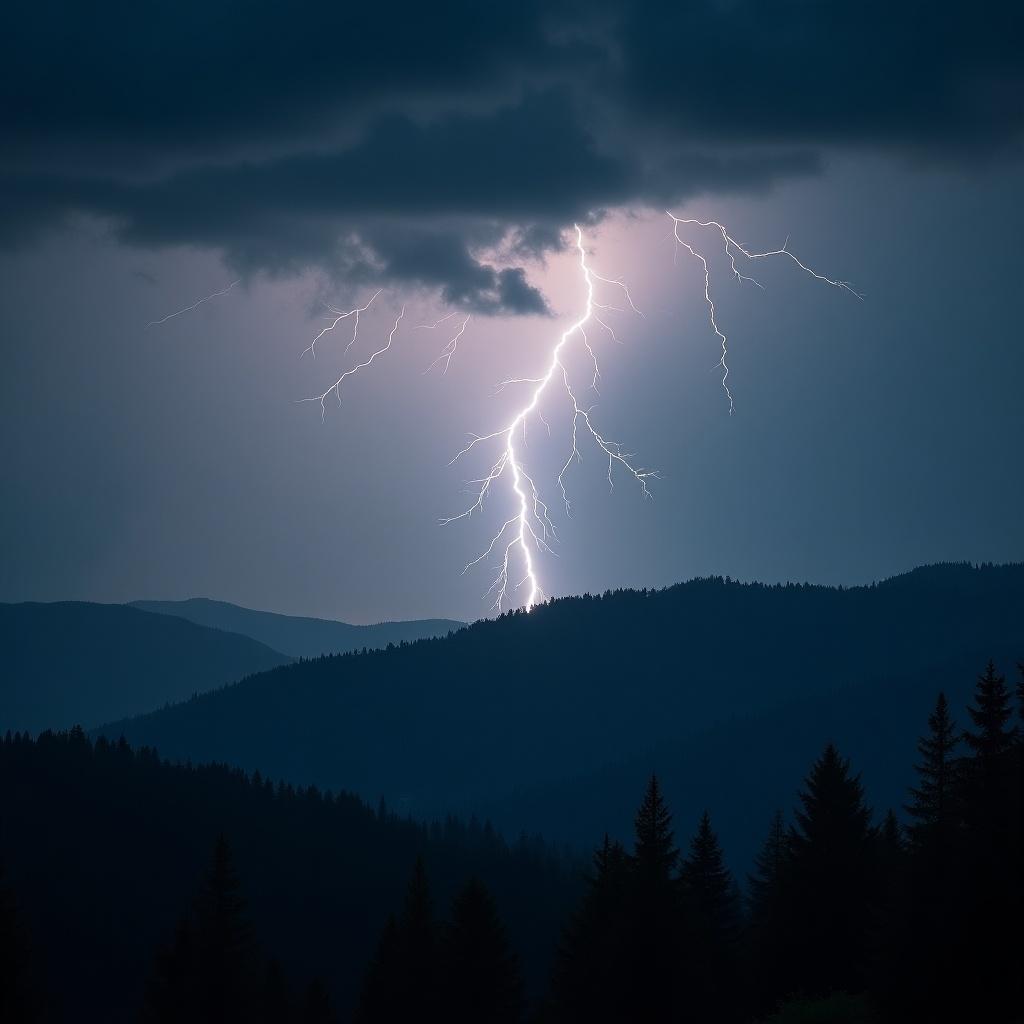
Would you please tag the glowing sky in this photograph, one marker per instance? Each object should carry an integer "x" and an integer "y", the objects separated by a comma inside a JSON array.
[{"x": 174, "y": 460}]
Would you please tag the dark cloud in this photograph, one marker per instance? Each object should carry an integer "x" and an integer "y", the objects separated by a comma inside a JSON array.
[{"x": 429, "y": 144}]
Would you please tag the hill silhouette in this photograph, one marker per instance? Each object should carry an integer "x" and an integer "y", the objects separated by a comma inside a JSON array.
[
  {"x": 105, "y": 846},
  {"x": 508, "y": 709},
  {"x": 296, "y": 635},
  {"x": 74, "y": 662}
]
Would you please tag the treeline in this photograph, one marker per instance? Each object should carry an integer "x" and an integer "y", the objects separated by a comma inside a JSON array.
[
  {"x": 106, "y": 851},
  {"x": 845, "y": 918}
]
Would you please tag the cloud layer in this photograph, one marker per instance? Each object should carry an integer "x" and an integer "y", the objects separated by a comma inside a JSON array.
[{"x": 443, "y": 145}]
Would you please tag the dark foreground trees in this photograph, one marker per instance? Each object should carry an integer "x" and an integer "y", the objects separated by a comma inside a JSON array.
[{"x": 848, "y": 917}]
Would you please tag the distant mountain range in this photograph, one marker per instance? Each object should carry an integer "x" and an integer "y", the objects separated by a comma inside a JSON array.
[
  {"x": 73, "y": 663},
  {"x": 76, "y": 663},
  {"x": 296, "y": 636},
  {"x": 552, "y": 719}
]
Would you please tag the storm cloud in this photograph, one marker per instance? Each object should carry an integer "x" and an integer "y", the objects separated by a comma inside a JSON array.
[{"x": 443, "y": 146}]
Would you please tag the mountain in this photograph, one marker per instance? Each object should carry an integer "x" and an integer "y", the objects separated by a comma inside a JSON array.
[
  {"x": 294, "y": 635},
  {"x": 105, "y": 848},
  {"x": 544, "y": 717},
  {"x": 77, "y": 663}
]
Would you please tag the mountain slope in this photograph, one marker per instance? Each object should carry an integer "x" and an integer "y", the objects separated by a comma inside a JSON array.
[
  {"x": 319, "y": 873},
  {"x": 294, "y": 635},
  {"x": 520, "y": 703},
  {"x": 77, "y": 663}
]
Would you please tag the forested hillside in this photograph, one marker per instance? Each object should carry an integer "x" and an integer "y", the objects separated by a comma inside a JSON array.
[
  {"x": 73, "y": 662},
  {"x": 125, "y": 899},
  {"x": 581, "y": 697}
]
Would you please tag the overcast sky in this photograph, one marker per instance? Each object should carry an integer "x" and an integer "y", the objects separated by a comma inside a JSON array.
[{"x": 316, "y": 154}]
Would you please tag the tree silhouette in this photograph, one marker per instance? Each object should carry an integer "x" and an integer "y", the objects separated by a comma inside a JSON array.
[
  {"x": 712, "y": 914},
  {"x": 767, "y": 938},
  {"x": 833, "y": 879},
  {"x": 403, "y": 978},
  {"x": 225, "y": 944},
  {"x": 588, "y": 985},
  {"x": 482, "y": 984},
  {"x": 653, "y": 927},
  {"x": 935, "y": 807}
]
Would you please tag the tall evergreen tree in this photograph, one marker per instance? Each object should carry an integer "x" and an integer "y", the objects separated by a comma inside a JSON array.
[
  {"x": 653, "y": 928},
  {"x": 171, "y": 988},
  {"x": 766, "y": 938},
  {"x": 588, "y": 985},
  {"x": 935, "y": 807},
  {"x": 482, "y": 983},
  {"x": 403, "y": 977},
  {"x": 712, "y": 925},
  {"x": 225, "y": 944},
  {"x": 832, "y": 879},
  {"x": 991, "y": 883}
]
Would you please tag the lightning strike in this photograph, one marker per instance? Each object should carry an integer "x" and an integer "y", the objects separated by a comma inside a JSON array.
[
  {"x": 530, "y": 531},
  {"x": 339, "y": 315},
  {"x": 451, "y": 348},
  {"x": 531, "y": 527},
  {"x": 194, "y": 306},
  {"x": 336, "y": 386},
  {"x": 732, "y": 248}
]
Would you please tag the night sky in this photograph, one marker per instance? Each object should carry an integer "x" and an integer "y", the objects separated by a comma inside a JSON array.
[{"x": 316, "y": 152}]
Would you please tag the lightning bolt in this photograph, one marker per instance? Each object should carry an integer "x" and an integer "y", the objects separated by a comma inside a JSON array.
[
  {"x": 194, "y": 306},
  {"x": 531, "y": 527},
  {"x": 336, "y": 386},
  {"x": 529, "y": 530},
  {"x": 732, "y": 249},
  {"x": 451, "y": 348},
  {"x": 339, "y": 315}
]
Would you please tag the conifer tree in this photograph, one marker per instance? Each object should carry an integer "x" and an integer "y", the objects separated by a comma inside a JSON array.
[
  {"x": 833, "y": 879},
  {"x": 712, "y": 917},
  {"x": 402, "y": 980},
  {"x": 934, "y": 806},
  {"x": 653, "y": 929},
  {"x": 991, "y": 881},
  {"x": 767, "y": 939},
  {"x": 482, "y": 981},
  {"x": 588, "y": 984},
  {"x": 171, "y": 989},
  {"x": 225, "y": 944}
]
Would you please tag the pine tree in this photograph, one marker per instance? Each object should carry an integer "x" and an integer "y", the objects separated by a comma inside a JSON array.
[
  {"x": 482, "y": 980},
  {"x": 402, "y": 980},
  {"x": 711, "y": 906},
  {"x": 832, "y": 879},
  {"x": 992, "y": 739},
  {"x": 653, "y": 929},
  {"x": 935, "y": 806},
  {"x": 378, "y": 1000},
  {"x": 654, "y": 855},
  {"x": 991, "y": 883},
  {"x": 767, "y": 940},
  {"x": 224, "y": 944},
  {"x": 171, "y": 989},
  {"x": 588, "y": 984}
]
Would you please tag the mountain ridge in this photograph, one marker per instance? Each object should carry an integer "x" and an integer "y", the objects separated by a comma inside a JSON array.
[
  {"x": 511, "y": 704},
  {"x": 298, "y": 636}
]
